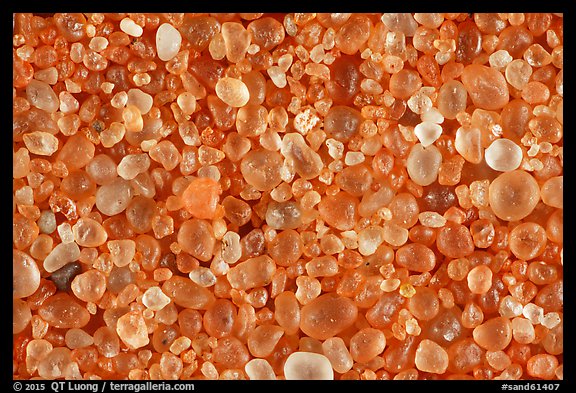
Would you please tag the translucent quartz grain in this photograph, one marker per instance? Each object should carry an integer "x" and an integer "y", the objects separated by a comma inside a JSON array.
[
  {"x": 199, "y": 30},
  {"x": 355, "y": 180},
  {"x": 141, "y": 100},
  {"x": 251, "y": 120},
  {"x": 308, "y": 289},
  {"x": 500, "y": 59},
  {"x": 394, "y": 234},
  {"x": 337, "y": 353},
  {"x": 89, "y": 233},
  {"x": 546, "y": 128},
  {"x": 219, "y": 318},
  {"x": 196, "y": 237},
  {"x": 209, "y": 371},
  {"x": 201, "y": 197},
  {"x": 277, "y": 76},
  {"x": 518, "y": 73},
  {"x": 514, "y": 195},
  {"x": 452, "y": 98},
  {"x": 423, "y": 164},
  {"x": 324, "y": 266},
  {"x": 101, "y": 169},
  {"x": 559, "y": 372},
  {"x": 236, "y": 146},
  {"x": 55, "y": 363},
  {"x": 132, "y": 330},
  {"x": 371, "y": 202},
  {"x": 41, "y": 143},
  {"x": 308, "y": 366},
  {"x": 20, "y": 163},
  {"x": 259, "y": 370},
  {"x": 416, "y": 257},
  {"x": 203, "y": 276},
  {"x": 468, "y": 143},
  {"x": 232, "y": 91},
  {"x": 404, "y": 208},
  {"x": 24, "y": 196},
  {"x": 366, "y": 344},
  {"x": 327, "y": 315},
  {"x": 185, "y": 293},
  {"x": 427, "y": 132},
  {"x": 42, "y": 247},
  {"x": 78, "y": 185},
  {"x": 498, "y": 360},
  {"x": 431, "y": 219},
  {"x": 231, "y": 248},
  {"x": 61, "y": 255},
  {"x": 180, "y": 345},
  {"x": 430, "y": 20},
  {"x": 542, "y": 366},
  {"x": 342, "y": 122},
  {"x": 486, "y": 86},
  {"x": 62, "y": 311},
  {"x": 369, "y": 239},
  {"x": 510, "y": 307},
  {"x": 266, "y": 32},
  {"x": 424, "y": 305},
  {"x": 114, "y": 197},
  {"x": 465, "y": 356},
  {"x": 287, "y": 312},
  {"x": 523, "y": 330},
  {"x": 261, "y": 169},
  {"x": 306, "y": 161},
  {"x": 503, "y": 155},
  {"x": 284, "y": 215},
  {"x": 41, "y": 95},
  {"x": 132, "y": 165},
  {"x": 339, "y": 211},
  {"x": 446, "y": 327},
  {"x": 21, "y": 315},
  {"x": 155, "y": 299},
  {"x": 24, "y": 231},
  {"x": 533, "y": 313},
  {"x": 89, "y": 286},
  {"x": 263, "y": 339},
  {"x": 237, "y": 40},
  {"x": 76, "y": 152},
  {"x": 187, "y": 102},
  {"x": 537, "y": 56},
  {"x": 171, "y": 366},
  {"x": 353, "y": 34},
  {"x": 190, "y": 322},
  {"x": 455, "y": 241},
  {"x": 78, "y": 338},
  {"x": 479, "y": 279},
  {"x": 286, "y": 248},
  {"x": 168, "y": 41},
  {"x": 252, "y": 273},
  {"x": 494, "y": 335},
  {"x": 555, "y": 227},
  {"x": 403, "y": 22},
  {"x": 121, "y": 251},
  {"x": 431, "y": 357},
  {"x": 25, "y": 273},
  {"x": 130, "y": 27},
  {"x": 405, "y": 83},
  {"x": 527, "y": 240},
  {"x": 552, "y": 192}
]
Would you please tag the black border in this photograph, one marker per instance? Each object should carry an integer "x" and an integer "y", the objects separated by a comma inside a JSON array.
[{"x": 565, "y": 7}]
